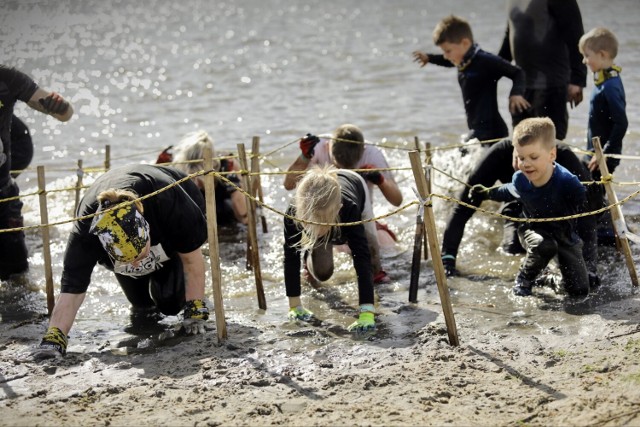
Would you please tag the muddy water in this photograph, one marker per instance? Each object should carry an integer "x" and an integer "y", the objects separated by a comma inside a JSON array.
[
  {"x": 140, "y": 81},
  {"x": 482, "y": 297}
]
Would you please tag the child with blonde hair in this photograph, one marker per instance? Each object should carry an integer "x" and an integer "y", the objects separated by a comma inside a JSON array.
[
  {"x": 188, "y": 157},
  {"x": 607, "y": 116},
  {"x": 546, "y": 190},
  {"x": 327, "y": 196},
  {"x": 346, "y": 148}
]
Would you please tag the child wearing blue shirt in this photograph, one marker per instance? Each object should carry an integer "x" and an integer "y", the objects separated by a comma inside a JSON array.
[
  {"x": 607, "y": 116},
  {"x": 546, "y": 190}
]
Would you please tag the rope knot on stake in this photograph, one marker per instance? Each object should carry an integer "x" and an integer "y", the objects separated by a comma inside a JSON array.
[
  {"x": 607, "y": 178},
  {"x": 422, "y": 203}
]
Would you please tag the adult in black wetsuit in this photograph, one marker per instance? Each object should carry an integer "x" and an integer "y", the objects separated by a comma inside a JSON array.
[{"x": 542, "y": 38}]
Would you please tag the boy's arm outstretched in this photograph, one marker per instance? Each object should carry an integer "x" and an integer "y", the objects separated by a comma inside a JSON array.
[
  {"x": 425, "y": 58},
  {"x": 421, "y": 57}
]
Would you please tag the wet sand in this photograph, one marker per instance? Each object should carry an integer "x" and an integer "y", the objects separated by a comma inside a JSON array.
[{"x": 545, "y": 360}]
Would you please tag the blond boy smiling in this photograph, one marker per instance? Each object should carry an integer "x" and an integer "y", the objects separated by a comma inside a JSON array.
[{"x": 546, "y": 190}]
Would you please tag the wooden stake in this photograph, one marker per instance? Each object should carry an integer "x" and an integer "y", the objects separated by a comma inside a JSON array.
[
  {"x": 251, "y": 227},
  {"x": 438, "y": 268},
  {"x": 415, "y": 260},
  {"x": 619, "y": 224},
  {"x": 80, "y": 174},
  {"x": 256, "y": 184},
  {"x": 427, "y": 161},
  {"x": 418, "y": 237},
  {"x": 107, "y": 157},
  {"x": 46, "y": 249},
  {"x": 214, "y": 252},
  {"x": 422, "y": 239}
]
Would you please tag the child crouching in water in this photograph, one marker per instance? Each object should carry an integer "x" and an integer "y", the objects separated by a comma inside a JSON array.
[
  {"x": 546, "y": 190},
  {"x": 328, "y": 195}
]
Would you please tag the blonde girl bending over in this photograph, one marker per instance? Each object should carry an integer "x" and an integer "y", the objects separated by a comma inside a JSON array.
[{"x": 329, "y": 196}]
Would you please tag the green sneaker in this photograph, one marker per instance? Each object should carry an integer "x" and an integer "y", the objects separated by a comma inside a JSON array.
[
  {"x": 366, "y": 322},
  {"x": 300, "y": 313}
]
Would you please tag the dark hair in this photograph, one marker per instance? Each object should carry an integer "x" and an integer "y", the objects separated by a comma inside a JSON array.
[
  {"x": 348, "y": 146},
  {"x": 452, "y": 29}
]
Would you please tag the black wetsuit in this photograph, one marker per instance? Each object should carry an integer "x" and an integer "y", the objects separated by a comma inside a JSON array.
[
  {"x": 478, "y": 77},
  {"x": 14, "y": 86},
  {"x": 542, "y": 37}
]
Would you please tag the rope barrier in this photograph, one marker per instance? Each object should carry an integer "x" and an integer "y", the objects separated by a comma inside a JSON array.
[
  {"x": 283, "y": 214},
  {"x": 528, "y": 220},
  {"x": 342, "y": 224},
  {"x": 113, "y": 208},
  {"x": 263, "y": 205},
  {"x": 300, "y": 172}
]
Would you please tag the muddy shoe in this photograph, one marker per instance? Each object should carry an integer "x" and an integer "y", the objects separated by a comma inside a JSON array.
[
  {"x": 300, "y": 313},
  {"x": 522, "y": 287},
  {"x": 449, "y": 264}
]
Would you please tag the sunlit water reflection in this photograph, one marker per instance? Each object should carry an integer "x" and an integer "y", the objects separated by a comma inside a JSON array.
[{"x": 140, "y": 80}]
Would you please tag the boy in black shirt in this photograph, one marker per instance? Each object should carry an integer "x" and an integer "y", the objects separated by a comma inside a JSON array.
[{"x": 478, "y": 75}]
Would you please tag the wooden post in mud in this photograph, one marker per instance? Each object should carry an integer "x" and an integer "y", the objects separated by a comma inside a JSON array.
[
  {"x": 415, "y": 260},
  {"x": 46, "y": 249},
  {"x": 256, "y": 183},
  {"x": 107, "y": 157},
  {"x": 427, "y": 161},
  {"x": 423, "y": 238},
  {"x": 80, "y": 174},
  {"x": 251, "y": 228},
  {"x": 432, "y": 236},
  {"x": 418, "y": 237},
  {"x": 619, "y": 224},
  {"x": 214, "y": 252}
]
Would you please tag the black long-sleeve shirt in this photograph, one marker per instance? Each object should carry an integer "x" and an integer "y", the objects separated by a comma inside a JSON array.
[
  {"x": 479, "y": 84},
  {"x": 14, "y": 86},
  {"x": 353, "y": 202}
]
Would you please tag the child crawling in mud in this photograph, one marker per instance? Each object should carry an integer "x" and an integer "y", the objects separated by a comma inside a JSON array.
[
  {"x": 546, "y": 190},
  {"x": 328, "y": 195}
]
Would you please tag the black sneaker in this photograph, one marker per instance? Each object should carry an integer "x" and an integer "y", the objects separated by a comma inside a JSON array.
[
  {"x": 522, "y": 287},
  {"x": 449, "y": 264}
]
